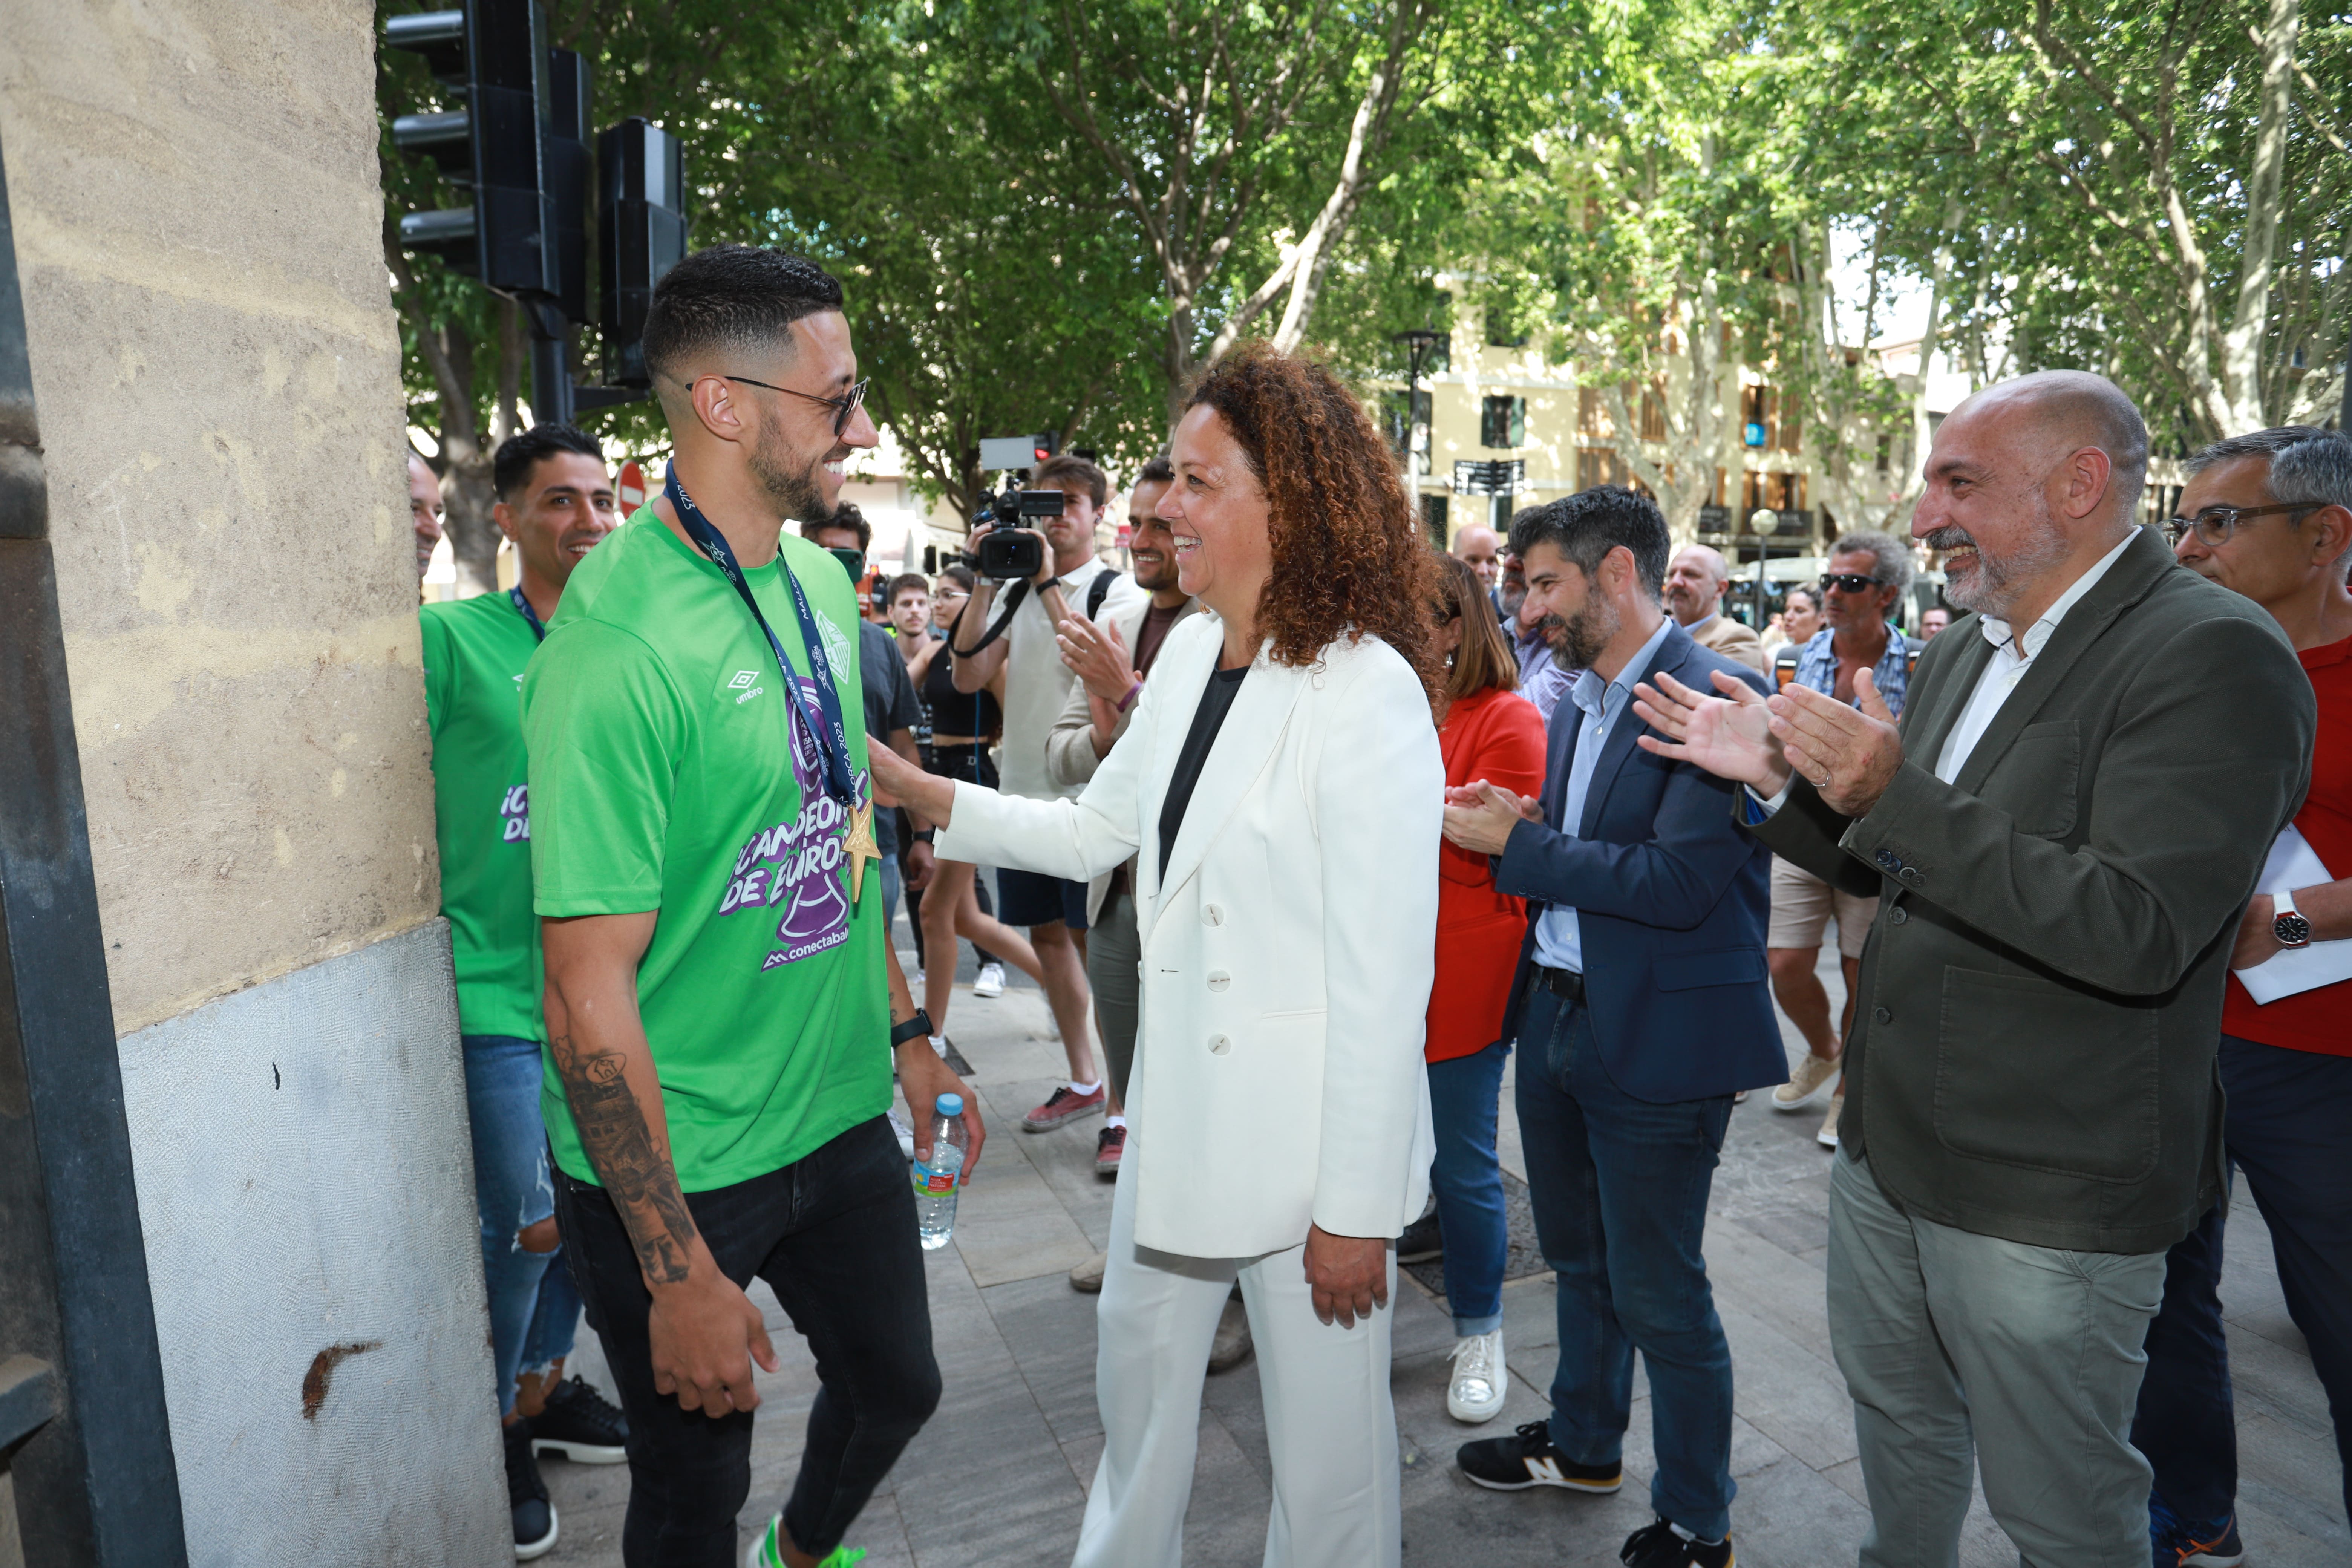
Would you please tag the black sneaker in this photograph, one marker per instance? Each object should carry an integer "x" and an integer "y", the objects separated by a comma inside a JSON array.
[
  {"x": 534, "y": 1516},
  {"x": 1527, "y": 1458},
  {"x": 581, "y": 1425},
  {"x": 1422, "y": 1240},
  {"x": 1658, "y": 1546}
]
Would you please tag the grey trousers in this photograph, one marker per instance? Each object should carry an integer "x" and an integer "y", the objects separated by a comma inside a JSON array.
[
  {"x": 1962, "y": 1350},
  {"x": 1113, "y": 951}
]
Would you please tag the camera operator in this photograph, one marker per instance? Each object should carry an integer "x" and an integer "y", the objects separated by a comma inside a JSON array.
[{"x": 1019, "y": 643}]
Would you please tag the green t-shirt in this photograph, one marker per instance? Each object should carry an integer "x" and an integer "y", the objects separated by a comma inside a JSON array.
[
  {"x": 474, "y": 651},
  {"x": 667, "y": 774}
]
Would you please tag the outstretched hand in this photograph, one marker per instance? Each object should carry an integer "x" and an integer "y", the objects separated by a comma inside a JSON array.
[
  {"x": 1850, "y": 754},
  {"x": 1730, "y": 736}
]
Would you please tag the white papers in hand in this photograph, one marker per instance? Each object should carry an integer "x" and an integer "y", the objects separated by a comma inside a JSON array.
[{"x": 2292, "y": 865}]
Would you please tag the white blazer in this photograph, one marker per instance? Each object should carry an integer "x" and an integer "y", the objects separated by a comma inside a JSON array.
[{"x": 1287, "y": 954}]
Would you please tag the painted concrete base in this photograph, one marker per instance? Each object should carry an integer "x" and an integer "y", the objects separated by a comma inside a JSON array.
[{"x": 306, "y": 1185}]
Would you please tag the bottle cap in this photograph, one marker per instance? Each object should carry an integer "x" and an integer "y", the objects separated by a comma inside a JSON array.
[{"x": 950, "y": 1105}]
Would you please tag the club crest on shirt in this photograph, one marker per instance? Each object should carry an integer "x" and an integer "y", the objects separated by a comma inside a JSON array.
[{"x": 796, "y": 867}]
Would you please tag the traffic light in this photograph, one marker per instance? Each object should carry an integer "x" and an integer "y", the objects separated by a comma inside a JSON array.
[
  {"x": 641, "y": 234},
  {"x": 495, "y": 53},
  {"x": 520, "y": 148}
]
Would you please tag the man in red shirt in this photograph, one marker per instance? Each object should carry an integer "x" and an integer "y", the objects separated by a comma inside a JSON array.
[{"x": 2270, "y": 516}]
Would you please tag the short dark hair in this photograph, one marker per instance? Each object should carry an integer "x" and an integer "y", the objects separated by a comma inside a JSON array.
[
  {"x": 845, "y": 515},
  {"x": 733, "y": 294},
  {"x": 1585, "y": 527},
  {"x": 511, "y": 464},
  {"x": 906, "y": 583},
  {"x": 958, "y": 575},
  {"x": 1159, "y": 471},
  {"x": 1072, "y": 469}
]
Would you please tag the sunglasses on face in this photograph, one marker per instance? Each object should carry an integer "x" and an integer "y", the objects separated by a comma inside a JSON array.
[
  {"x": 2214, "y": 525},
  {"x": 844, "y": 407},
  {"x": 1850, "y": 581}
]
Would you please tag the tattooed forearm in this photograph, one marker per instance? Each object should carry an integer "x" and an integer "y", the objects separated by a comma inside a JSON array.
[{"x": 620, "y": 1145}]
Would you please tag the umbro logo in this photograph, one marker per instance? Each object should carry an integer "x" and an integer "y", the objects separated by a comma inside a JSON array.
[{"x": 743, "y": 678}]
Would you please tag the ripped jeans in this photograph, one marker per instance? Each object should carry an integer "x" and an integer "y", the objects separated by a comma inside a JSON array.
[{"x": 534, "y": 1307}]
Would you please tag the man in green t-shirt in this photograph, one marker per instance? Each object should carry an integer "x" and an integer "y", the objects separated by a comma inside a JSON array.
[
  {"x": 719, "y": 1035},
  {"x": 555, "y": 502}
]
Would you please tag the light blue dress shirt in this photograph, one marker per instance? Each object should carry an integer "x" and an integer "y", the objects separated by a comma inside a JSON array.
[{"x": 1559, "y": 941}]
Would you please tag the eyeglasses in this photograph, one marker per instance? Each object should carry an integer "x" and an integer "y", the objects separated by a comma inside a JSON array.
[
  {"x": 1850, "y": 582},
  {"x": 844, "y": 407},
  {"x": 2216, "y": 523}
]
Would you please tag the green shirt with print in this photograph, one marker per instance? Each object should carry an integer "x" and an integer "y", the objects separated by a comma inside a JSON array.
[
  {"x": 668, "y": 775},
  {"x": 474, "y": 651}
]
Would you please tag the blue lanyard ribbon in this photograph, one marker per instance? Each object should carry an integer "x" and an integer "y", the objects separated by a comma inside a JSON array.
[
  {"x": 826, "y": 733},
  {"x": 531, "y": 617}
]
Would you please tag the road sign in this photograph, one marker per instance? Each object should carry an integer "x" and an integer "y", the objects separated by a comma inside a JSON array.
[
  {"x": 629, "y": 490},
  {"x": 1502, "y": 477}
]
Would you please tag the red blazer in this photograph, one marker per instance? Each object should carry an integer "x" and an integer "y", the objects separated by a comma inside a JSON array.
[{"x": 1498, "y": 736}]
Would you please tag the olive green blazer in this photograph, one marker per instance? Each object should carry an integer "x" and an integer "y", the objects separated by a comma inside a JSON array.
[{"x": 2040, "y": 1004}]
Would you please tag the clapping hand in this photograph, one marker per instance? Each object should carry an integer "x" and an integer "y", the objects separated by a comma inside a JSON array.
[
  {"x": 1730, "y": 736},
  {"x": 1850, "y": 754},
  {"x": 1479, "y": 816},
  {"x": 1098, "y": 656}
]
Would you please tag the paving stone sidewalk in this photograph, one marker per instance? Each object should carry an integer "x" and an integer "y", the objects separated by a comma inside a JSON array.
[{"x": 999, "y": 1477}]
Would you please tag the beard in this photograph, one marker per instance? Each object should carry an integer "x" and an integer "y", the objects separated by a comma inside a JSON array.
[
  {"x": 1577, "y": 640},
  {"x": 1511, "y": 595},
  {"x": 789, "y": 478},
  {"x": 1989, "y": 587}
]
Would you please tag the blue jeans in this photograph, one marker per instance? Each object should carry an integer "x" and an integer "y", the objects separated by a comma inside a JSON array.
[
  {"x": 2287, "y": 1113},
  {"x": 1468, "y": 1181},
  {"x": 534, "y": 1308},
  {"x": 1619, "y": 1188}
]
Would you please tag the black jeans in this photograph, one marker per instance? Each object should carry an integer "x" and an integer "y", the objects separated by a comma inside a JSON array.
[
  {"x": 2286, "y": 1113},
  {"x": 834, "y": 1233}
]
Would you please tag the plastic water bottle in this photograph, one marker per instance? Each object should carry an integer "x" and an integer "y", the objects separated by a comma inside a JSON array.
[{"x": 936, "y": 1183}]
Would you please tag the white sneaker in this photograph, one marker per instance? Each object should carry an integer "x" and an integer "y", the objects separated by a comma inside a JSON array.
[
  {"x": 1480, "y": 1379},
  {"x": 1812, "y": 1078},
  {"x": 1827, "y": 1136},
  {"x": 990, "y": 982}
]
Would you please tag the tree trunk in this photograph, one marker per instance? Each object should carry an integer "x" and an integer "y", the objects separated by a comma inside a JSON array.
[
  {"x": 2241, "y": 346},
  {"x": 1922, "y": 436}
]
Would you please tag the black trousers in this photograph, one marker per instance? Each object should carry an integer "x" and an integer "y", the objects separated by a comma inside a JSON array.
[
  {"x": 2287, "y": 1111},
  {"x": 834, "y": 1235}
]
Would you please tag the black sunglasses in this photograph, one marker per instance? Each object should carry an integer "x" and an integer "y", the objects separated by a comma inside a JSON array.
[
  {"x": 1850, "y": 582},
  {"x": 2216, "y": 523},
  {"x": 844, "y": 407}
]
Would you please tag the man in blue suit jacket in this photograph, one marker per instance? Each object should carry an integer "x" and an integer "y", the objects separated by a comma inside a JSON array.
[{"x": 1642, "y": 1005}]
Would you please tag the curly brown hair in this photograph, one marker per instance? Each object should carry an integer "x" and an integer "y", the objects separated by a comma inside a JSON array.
[{"x": 1348, "y": 557}]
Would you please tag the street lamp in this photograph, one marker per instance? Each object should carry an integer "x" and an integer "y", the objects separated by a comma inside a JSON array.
[{"x": 1418, "y": 341}]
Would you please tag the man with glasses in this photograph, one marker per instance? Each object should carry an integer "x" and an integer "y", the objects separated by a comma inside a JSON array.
[
  {"x": 2270, "y": 516},
  {"x": 1867, "y": 576},
  {"x": 719, "y": 1039}
]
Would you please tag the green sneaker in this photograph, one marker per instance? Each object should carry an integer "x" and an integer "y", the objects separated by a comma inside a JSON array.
[{"x": 768, "y": 1551}]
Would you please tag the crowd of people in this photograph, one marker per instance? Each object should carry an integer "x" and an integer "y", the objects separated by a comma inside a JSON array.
[{"x": 1302, "y": 828}]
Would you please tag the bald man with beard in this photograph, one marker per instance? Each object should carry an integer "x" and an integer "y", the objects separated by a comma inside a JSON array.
[{"x": 2062, "y": 833}]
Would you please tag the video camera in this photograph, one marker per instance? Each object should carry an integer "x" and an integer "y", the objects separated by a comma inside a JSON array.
[{"x": 1005, "y": 555}]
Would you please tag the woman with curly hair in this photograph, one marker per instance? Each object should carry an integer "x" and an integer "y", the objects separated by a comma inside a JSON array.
[{"x": 1283, "y": 786}]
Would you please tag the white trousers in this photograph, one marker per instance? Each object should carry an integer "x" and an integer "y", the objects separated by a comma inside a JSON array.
[{"x": 1328, "y": 1422}]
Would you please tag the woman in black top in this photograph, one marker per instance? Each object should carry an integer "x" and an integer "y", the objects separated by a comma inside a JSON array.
[{"x": 961, "y": 727}]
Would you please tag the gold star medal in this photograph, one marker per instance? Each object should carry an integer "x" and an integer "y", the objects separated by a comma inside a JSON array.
[{"x": 859, "y": 848}]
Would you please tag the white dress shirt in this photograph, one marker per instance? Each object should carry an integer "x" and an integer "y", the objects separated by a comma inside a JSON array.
[{"x": 2013, "y": 655}]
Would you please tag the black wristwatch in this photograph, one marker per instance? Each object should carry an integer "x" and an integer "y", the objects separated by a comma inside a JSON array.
[
  {"x": 915, "y": 1028},
  {"x": 2289, "y": 926}
]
